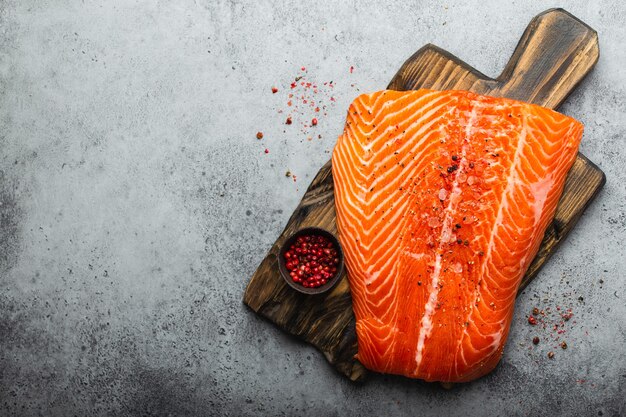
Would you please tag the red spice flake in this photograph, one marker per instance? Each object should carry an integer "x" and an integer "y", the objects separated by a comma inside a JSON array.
[
  {"x": 314, "y": 122},
  {"x": 259, "y": 135},
  {"x": 288, "y": 121},
  {"x": 289, "y": 103},
  {"x": 535, "y": 340},
  {"x": 311, "y": 260},
  {"x": 317, "y": 109},
  {"x": 351, "y": 69},
  {"x": 532, "y": 320},
  {"x": 274, "y": 90},
  {"x": 303, "y": 69},
  {"x": 267, "y": 150},
  {"x": 332, "y": 98},
  {"x": 294, "y": 178},
  {"x": 294, "y": 85}
]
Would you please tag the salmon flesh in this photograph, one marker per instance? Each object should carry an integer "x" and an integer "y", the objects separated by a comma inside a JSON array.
[{"x": 442, "y": 200}]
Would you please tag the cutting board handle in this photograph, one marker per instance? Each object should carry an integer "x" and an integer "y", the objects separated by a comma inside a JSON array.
[{"x": 555, "y": 53}]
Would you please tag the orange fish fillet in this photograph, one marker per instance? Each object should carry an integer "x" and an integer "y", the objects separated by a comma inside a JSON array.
[{"x": 442, "y": 200}]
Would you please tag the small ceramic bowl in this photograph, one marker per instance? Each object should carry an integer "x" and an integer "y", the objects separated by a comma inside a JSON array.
[{"x": 310, "y": 231}]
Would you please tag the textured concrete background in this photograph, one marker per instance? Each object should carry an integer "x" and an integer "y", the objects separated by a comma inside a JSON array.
[{"x": 136, "y": 202}]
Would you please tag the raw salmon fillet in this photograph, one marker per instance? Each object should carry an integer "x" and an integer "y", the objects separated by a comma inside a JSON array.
[{"x": 442, "y": 200}]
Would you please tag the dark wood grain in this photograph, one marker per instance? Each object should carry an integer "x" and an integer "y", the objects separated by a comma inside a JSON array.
[{"x": 554, "y": 54}]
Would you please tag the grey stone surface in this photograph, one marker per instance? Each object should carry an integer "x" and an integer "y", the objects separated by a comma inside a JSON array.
[{"x": 136, "y": 202}]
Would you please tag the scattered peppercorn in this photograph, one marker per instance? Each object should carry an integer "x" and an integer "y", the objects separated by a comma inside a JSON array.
[
  {"x": 454, "y": 157},
  {"x": 288, "y": 121},
  {"x": 550, "y": 354},
  {"x": 259, "y": 135},
  {"x": 535, "y": 340},
  {"x": 288, "y": 173},
  {"x": 532, "y": 320},
  {"x": 535, "y": 311},
  {"x": 458, "y": 225},
  {"x": 452, "y": 168},
  {"x": 563, "y": 345}
]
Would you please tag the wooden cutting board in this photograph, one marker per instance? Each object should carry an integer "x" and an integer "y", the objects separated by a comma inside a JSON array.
[{"x": 554, "y": 54}]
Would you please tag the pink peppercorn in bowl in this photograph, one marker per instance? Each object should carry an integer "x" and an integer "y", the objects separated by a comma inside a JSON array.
[{"x": 311, "y": 261}]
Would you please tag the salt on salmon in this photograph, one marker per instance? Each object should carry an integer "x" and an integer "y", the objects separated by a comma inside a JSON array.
[{"x": 442, "y": 200}]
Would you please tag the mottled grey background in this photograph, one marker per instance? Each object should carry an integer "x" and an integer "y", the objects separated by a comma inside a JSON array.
[{"x": 136, "y": 202}]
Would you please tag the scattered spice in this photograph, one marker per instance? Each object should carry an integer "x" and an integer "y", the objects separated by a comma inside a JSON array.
[
  {"x": 259, "y": 135},
  {"x": 288, "y": 173},
  {"x": 532, "y": 320},
  {"x": 535, "y": 340},
  {"x": 550, "y": 354},
  {"x": 311, "y": 260},
  {"x": 535, "y": 311},
  {"x": 267, "y": 150},
  {"x": 307, "y": 101},
  {"x": 563, "y": 345},
  {"x": 454, "y": 157}
]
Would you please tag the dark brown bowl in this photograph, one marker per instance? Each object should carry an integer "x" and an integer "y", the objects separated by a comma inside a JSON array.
[{"x": 285, "y": 273}]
